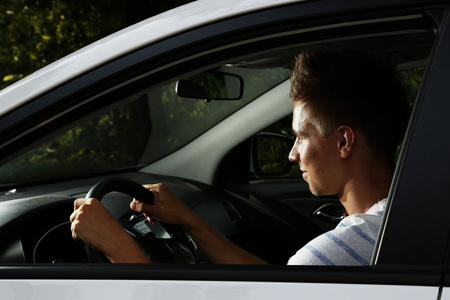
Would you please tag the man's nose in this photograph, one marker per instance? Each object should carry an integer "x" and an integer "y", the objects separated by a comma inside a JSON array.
[{"x": 293, "y": 154}]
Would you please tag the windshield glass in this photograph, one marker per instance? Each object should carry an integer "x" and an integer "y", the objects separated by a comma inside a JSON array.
[{"x": 135, "y": 134}]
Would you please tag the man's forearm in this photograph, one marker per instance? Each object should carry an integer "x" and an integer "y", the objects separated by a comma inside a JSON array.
[{"x": 217, "y": 248}]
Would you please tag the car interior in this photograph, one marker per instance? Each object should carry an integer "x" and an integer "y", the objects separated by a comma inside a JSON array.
[{"x": 218, "y": 136}]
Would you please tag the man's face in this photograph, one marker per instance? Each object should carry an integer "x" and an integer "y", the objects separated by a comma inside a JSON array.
[{"x": 318, "y": 157}]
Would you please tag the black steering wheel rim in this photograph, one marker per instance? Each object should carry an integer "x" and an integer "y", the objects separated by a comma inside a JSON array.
[{"x": 121, "y": 185}]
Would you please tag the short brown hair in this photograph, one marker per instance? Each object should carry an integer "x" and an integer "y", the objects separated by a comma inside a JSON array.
[{"x": 353, "y": 89}]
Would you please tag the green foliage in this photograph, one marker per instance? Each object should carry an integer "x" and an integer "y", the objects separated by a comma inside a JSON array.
[
  {"x": 34, "y": 33},
  {"x": 411, "y": 80}
]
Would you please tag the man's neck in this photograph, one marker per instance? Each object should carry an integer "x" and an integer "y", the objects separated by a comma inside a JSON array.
[{"x": 362, "y": 192}]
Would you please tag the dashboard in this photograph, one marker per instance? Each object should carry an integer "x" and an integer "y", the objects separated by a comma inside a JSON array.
[{"x": 35, "y": 227}]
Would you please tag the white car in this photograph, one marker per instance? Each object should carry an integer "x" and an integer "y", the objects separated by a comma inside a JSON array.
[{"x": 197, "y": 98}]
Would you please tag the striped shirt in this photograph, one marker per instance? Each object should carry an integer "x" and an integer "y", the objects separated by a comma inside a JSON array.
[{"x": 351, "y": 243}]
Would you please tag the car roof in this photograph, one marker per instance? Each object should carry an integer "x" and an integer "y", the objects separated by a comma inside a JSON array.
[{"x": 169, "y": 23}]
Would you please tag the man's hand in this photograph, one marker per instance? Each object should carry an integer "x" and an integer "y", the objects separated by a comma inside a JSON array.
[
  {"x": 167, "y": 208},
  {"x": 96, "y": 227}
]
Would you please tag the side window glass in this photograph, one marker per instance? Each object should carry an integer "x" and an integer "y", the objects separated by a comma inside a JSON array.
[{"x": 114, "y": 140}]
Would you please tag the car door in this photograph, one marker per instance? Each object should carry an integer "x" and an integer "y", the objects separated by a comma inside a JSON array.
[{"x": 410, "y": 255}]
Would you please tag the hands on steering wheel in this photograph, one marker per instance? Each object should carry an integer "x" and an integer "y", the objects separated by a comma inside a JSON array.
[{"x": 96, "y": 227}]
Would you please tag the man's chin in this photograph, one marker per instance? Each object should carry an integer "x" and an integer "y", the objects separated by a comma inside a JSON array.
[{"x": 319, "y": 192}]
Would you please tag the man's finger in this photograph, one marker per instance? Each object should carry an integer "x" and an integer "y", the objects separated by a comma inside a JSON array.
[
  {"x": 80, "y": 201},
  {"x": 138, "y": 206}
]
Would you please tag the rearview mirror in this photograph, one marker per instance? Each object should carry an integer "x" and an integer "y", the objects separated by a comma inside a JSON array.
[{"x": 211, "y": 86}]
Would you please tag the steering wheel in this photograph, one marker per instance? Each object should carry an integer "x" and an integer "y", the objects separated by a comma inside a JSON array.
[{"x": 176, "y": 249}]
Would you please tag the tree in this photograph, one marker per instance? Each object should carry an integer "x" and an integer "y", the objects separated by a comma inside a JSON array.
[{"x": 36, "y": 33}]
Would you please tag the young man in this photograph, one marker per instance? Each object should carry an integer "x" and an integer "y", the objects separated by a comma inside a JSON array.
[{"x": 348, "y": 119}]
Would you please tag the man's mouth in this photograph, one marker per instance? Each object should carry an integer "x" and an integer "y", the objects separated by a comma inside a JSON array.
[{"x": 304, "y": 173}]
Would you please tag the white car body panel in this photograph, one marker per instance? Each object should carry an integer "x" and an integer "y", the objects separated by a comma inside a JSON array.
[
  {"x": 273, "y": 105},
  {"x": 445, "y": 294},
  {"x": 168, "y": 290},
  {"x": 169, "y": 23}
]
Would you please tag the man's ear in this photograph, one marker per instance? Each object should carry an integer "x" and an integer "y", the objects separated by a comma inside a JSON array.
[{"x": 346, "y": 140}]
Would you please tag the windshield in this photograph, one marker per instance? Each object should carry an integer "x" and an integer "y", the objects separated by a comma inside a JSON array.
[{"x": 135, "y": 134}]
